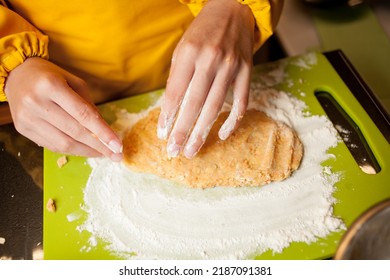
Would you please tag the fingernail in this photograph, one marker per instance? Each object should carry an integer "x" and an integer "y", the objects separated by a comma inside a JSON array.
[
  {"x": 227, "y": 128},
  {"x": 115, "y": 146},
  {"x": 116, "y": 157},
  {"x": 190, "y": 152},
  {"x": 165, "y": 125},
  {"x": 173, "y": 150},
  {"x": 223, "y": 133},
  {"x": 162, "y": 132},
  {"x": 190, "y": 149}
]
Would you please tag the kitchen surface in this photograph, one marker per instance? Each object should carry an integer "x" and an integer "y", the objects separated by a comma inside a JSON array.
[
  {"x": 361, "y": 31},
  {"x": 303, "y": 28}
]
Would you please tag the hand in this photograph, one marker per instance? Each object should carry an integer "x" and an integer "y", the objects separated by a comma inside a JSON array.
[
  {"x": 214, "y": 54},
  {"x": 52, "y": 108}
]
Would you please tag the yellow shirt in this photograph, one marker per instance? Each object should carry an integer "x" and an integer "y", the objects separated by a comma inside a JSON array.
[{"x": 118, "y": 47}]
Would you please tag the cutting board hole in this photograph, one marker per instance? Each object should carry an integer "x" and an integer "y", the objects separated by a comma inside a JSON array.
[{"x": 350, "y": 133}]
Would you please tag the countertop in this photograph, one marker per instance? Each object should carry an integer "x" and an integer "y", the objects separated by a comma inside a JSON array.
[
  {"x": 362, "y": 32},
  {"x": 21, "y": 196},
  {"x": 296, "y": 30}
]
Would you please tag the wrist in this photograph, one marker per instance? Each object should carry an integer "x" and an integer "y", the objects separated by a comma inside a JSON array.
[
  {"x": 237, "y": 12},
  {"x": 231, "y": 9}
]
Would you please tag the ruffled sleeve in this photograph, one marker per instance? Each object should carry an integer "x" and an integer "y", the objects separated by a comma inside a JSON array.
[{"x": 19, "y": 40}]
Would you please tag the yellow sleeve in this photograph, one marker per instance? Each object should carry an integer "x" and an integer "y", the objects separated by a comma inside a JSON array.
[
  {"x": 265, "y": 12},
  {"x": 19, "y": 40},
  {"x": 194, "y": 5}
]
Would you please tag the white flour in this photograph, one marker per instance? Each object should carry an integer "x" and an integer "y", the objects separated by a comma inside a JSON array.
[{"x": 146, "y": 217}]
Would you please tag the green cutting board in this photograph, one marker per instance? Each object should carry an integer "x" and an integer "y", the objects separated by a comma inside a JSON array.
[{"x": 355, "y": 192}]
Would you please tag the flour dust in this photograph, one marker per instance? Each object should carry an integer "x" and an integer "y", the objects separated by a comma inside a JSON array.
[{"x": 142, "y": 216}]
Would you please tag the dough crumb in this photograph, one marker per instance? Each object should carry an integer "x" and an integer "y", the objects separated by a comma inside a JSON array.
[
  {"x": 62, "y": 161},
  {"x": 51, "y": 206},
  {"x": 2, "y": 240}
]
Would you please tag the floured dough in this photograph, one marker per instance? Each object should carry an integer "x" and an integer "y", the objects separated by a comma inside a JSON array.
[{"x": 261, "y": 150}]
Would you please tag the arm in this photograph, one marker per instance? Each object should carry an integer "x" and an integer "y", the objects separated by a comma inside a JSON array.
[
  {"x": 18, "y": 41},
  {"x": 48, "y": 105},
  {"x": 215, "y": 53},
  {"x": 265, "y": 12}
]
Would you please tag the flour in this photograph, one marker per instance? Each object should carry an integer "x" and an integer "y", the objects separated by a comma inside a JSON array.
[
  {"x": 143, "y": 216},
  {"x": 305, "y": 61}
]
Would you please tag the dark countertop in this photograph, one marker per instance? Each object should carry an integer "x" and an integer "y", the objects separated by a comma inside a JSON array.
[{"x": 21, "y": 196}]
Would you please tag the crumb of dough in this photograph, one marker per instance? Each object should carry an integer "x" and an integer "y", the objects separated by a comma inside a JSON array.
[
  {"x": 50, "y": 205},
  {"x": 62, "y": 161},
  {"x": 2, "y": 240},
  {"x": 260, "y": 151}
]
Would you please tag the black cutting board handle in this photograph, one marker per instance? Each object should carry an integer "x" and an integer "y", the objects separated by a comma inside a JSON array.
[{"x": 360, "y": 90}]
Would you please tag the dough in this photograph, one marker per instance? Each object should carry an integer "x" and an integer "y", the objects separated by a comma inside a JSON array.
[{"x": 260, "y": 151}]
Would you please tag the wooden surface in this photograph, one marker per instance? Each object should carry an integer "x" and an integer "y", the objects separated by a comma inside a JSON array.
[{"x": 5, "y": 114}]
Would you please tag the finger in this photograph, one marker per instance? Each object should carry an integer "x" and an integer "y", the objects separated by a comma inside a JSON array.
[
  {"x": 79, "y": 86},
  {"x": 210, "y": 111},
  {"x": 88, "y": 116},
  {"x": 56, "y": 141},
  {"x": 190, "y": 108},
  {"x": 177, "y": 84},
  {"x": 240, "y": 101},
  {"x": 60, "y": 119}
]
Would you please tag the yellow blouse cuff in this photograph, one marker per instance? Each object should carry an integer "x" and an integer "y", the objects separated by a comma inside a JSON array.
[
  {"x": 15, "y": 49},
  {"x": 261, "y": 10},
  {"x": 194, "y": 5}
]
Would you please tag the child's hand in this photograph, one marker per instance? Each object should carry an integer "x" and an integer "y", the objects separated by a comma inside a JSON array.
[
  {"x": 213, "y": 54},
  {"x": 52, "y": 108}
]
